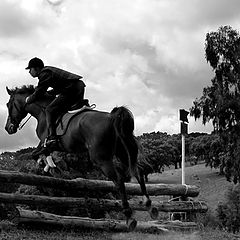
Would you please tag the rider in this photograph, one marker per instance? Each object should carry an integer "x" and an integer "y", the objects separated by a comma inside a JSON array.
[{"x": 66, "y": 86}]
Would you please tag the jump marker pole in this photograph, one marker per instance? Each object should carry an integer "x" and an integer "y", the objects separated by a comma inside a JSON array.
[
  {"x": 184, "y": 131},
  {"x": 183, "y": 159}
]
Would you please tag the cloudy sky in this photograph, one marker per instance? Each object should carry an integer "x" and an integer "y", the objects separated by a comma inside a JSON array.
[{"x": 145, "y": 54}]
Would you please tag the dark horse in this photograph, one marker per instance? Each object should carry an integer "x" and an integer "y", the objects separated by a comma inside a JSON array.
[{"x": 104, "y": 135}]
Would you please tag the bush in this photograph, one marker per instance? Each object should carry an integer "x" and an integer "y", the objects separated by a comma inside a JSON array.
[
  {"x": 229, "y": 211},
  {"x": 207, "y": 220}
]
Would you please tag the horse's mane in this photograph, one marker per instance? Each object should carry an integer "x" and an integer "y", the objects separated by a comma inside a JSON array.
[
  {"x": 24, "y": 89},
  {"x": 29, "y": 89}
]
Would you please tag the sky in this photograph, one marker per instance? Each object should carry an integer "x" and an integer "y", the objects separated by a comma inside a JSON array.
[{"x": 145, "y": 54}]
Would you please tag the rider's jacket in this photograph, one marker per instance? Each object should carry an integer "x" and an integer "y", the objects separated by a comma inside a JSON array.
[{"x": 59, "y": 80}]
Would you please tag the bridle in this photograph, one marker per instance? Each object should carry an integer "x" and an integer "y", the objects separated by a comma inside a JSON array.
[
  {"x": 16, "y": 121},
  {"x": 19, "y": 112}
]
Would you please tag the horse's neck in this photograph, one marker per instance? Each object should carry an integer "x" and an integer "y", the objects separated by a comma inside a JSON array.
[{"x": 37, "y": 110}]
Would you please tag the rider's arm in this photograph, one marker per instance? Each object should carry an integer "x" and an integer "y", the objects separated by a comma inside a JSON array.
[{"x": 44, "y": 83}]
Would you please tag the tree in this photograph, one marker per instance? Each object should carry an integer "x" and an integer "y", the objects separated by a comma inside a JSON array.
[{"x": 220, "y": 102}]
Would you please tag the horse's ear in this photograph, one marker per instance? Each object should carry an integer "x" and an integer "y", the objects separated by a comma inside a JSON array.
[{"x": 9, "y": 91}]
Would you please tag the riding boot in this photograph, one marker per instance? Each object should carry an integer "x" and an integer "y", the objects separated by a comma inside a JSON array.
[
  {"x": 49, "y": 145},
  {"x": 38, "y": 151},
  {"x": 51, "y": 142}
]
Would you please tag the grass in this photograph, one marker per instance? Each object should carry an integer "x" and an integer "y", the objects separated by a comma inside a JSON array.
[
  {"x": 33, "y": 234},
  {"x": 213, "y": 188}
]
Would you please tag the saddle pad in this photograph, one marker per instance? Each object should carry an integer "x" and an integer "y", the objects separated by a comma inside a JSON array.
[{"x": 63, "y": 122}]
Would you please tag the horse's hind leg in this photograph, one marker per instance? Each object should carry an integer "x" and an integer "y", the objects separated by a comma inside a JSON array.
[
  {"x": 138, "y": 173},
  {"x": 133, "y": 152},
  {"x": 119, "y": 182},
  {"x": 153, "y": 211},
  {"x": 140, "y": 178},
  {"x": 109, "y": 170}
]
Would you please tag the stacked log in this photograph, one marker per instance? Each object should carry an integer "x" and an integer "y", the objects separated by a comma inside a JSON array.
[
  {"x": 81, "y": 184},
  {"x": 103, "y": 204},
  {"x": 31, "y": 217}
]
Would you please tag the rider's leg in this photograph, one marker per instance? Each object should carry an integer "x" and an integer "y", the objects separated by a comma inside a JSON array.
[
  {"x": 60, "y": 105},
  {"x": 49, "y": 120},
  {"x": 53, "y": 110}
]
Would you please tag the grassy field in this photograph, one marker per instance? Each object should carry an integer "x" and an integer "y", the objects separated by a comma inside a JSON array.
[{"x": 213, "y": 188}]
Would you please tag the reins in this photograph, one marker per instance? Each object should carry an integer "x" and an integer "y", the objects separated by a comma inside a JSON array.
[{"x": 22, "y": 125}]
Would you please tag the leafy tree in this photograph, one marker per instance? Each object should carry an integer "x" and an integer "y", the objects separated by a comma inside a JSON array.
[
  {"x": 220, "y": 102},
  {"x": 161, "y": 149}
]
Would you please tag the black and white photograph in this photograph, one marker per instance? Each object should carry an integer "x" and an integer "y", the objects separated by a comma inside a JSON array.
[{"x": 119, "y": 119}]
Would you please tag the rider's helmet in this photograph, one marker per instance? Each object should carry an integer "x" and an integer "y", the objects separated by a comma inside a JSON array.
[{"x": 35, "y": 62}]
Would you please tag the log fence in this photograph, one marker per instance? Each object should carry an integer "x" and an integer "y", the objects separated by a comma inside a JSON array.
[{"x": 80, "y": 184}]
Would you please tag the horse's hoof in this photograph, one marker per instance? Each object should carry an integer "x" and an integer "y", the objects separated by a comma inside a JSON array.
[
  {"x": 153, "y": 211},
  {"x": 148, "y": 203},
  {"x": 127, "y": 212},
  {"x": 131, "y": 223}
]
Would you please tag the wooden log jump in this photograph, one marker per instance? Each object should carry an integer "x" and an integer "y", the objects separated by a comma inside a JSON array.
[
  {"x": 81, "y": 184},
  {"x": 27, "y": 216},
  {"x": 103, "y": 204}
]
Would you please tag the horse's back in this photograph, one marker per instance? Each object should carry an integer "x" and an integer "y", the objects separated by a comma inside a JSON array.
[
  {"x": 95, "y": 122},
  {"x": 89, "y": 129}
]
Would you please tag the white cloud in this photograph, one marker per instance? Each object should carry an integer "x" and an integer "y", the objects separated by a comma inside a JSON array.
[{"x": 146, "y": 54}]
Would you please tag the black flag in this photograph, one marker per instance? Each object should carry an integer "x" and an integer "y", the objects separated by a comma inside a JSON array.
[{"x": 183, "y": 115}]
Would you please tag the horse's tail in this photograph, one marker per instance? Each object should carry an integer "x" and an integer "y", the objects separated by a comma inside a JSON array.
[{"x": 126, "y": 147}]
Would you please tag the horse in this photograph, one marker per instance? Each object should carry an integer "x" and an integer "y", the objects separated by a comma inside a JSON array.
[{"x": 105, "y": 135}]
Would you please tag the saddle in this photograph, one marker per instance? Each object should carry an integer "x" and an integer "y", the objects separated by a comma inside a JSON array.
[{"x": 63, "y": 121}]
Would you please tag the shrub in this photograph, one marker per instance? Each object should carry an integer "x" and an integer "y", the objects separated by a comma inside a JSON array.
[
  {"x": 228, "y": 212},
  {"x": 207, "y": 220}
]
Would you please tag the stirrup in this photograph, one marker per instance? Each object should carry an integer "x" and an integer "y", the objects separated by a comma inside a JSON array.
[
  {"x": 49, "y": 142},
  {"x": 45, "y": 143}
]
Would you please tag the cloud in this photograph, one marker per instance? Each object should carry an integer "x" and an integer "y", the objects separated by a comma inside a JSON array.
[
  {"x": 145, "y": 54},
  {"x": 55, "y": 2},
  {"x": 16, "y": 21}
]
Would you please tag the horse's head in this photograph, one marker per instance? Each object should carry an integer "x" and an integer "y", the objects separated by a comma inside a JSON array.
[{"x": 16, "y": 108}]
